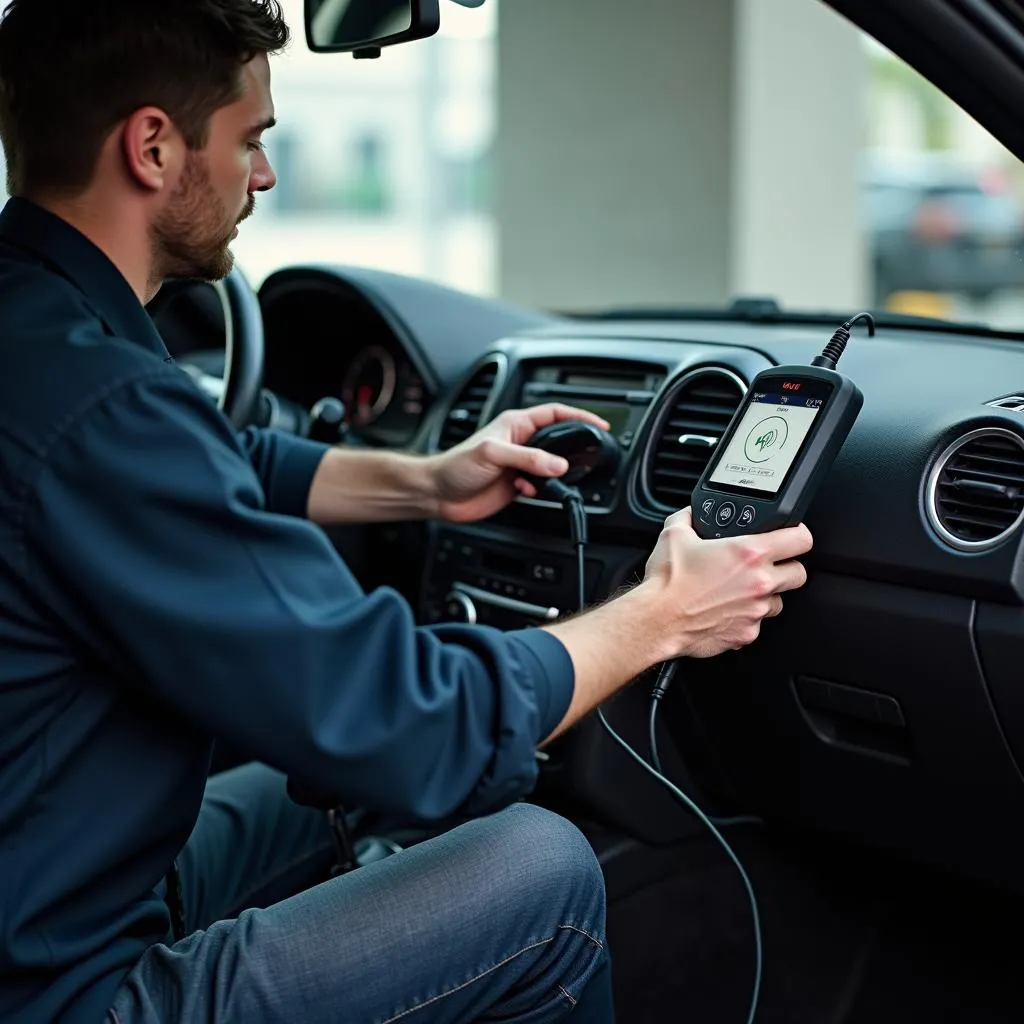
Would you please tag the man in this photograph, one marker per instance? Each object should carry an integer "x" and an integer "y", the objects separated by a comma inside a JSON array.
[{"x": 163, "y": 581}]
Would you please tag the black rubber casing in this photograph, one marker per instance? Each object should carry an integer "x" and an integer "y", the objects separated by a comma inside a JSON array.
[
  {"x": 759, "y": 514},
  {"x": 584, "y": 446}
]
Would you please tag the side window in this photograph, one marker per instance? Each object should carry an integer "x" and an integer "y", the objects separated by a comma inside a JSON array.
[
  {"x": 366, "y": 185},
  {"x": 283, "y": 149},
  {"x": 943, "y": 203}
]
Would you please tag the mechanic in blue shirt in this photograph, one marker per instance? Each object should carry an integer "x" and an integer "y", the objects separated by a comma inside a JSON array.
[{"x": 163, "y": 581}]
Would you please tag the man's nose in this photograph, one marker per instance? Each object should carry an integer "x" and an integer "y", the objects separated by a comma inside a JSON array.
[{"x": 263, "y": 176}]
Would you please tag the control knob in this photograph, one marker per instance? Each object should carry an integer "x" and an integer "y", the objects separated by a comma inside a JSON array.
[{"x": 459, "y": 608}]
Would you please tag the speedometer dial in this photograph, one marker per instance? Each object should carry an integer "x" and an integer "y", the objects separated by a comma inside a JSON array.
[{"x": 369, "y": 385}]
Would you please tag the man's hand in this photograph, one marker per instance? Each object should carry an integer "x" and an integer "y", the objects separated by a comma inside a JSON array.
[
  {"x": 698, "y": 599},
  {"x": 723, "y": 589},
  {"x": 478, "y": 478}
]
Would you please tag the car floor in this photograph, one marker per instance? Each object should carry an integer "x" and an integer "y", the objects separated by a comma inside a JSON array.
[{"x": 848, "y": 938}]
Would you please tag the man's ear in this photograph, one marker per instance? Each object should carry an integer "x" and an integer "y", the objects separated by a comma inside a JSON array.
[{"x": 153, "y": 149}]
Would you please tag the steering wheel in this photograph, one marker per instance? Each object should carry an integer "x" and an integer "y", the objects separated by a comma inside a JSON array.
[{"x": 238, "y": 393}]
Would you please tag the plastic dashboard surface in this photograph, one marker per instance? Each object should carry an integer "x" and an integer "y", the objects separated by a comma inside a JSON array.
[
  {"x": 887, "y": 690},
  {"x": 921, "y": 391},
  {"x": 888, "y": 686},
  {"x": 867, "y": 704}
]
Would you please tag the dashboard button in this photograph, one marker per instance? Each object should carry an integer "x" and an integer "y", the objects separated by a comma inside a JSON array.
[
  {"x": 545, "y": 573},
  {"x": 726, "y": 513},
  {"x": 747, "y": 516}
]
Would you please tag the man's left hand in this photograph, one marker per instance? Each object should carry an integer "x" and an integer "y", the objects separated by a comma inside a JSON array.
[{"x": 479, "y": 477}]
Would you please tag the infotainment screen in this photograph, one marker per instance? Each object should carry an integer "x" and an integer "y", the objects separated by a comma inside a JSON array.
[
  {"x": 620, "y": 417},
  {"x": 616, "y": 415},
  {"x": 769, "y": 436}
]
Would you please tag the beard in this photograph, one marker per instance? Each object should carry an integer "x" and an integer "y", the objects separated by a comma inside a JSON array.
[{"x": 192, "y": 235}]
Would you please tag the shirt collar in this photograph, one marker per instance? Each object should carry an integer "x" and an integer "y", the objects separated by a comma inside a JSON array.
[{"x": 67, "y": 251}]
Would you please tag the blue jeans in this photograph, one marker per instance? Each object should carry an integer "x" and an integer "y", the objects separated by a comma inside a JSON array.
[{"x": 500, "y": 919}]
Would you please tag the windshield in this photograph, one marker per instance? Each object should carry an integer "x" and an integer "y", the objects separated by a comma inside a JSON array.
[{"x": 775, "y": 151}]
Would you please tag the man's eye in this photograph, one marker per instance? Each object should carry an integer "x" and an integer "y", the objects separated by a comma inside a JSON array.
[{"x": 256, "y": 146}]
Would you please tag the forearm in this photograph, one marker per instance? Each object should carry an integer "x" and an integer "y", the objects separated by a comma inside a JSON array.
[
  {"x": 612, "y": 645},
  {"x": 359, "y": 486}
]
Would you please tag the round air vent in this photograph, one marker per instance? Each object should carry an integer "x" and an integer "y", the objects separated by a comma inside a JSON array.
[
  {"x": 473, "y": 401},
  {"x": 975, "y": 496},
  {"x": 692, "y": 418}
]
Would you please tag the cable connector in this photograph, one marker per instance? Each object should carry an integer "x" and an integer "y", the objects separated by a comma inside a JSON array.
[
  {"x": 570, "y": 499},
  {"x": 573, "y": 504},
  {"x": 664, "y": 680},
  {"x": 833, "y": 351}
]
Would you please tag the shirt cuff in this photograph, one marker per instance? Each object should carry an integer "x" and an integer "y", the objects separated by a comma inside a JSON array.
[
  {"x": 295, "y": 463},
  {"x": 553, "y": 669}
]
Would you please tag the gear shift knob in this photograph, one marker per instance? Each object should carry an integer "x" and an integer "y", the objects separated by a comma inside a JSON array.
[{"x": 327, "y": 421}]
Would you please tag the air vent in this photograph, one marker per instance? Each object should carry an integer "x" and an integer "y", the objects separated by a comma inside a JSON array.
[
  {"x": 976, "y": 489},
  {"x": 1015, "y": 403},
  {"x": 692, "y": 421},
  {"x": 466, "y": 413}
]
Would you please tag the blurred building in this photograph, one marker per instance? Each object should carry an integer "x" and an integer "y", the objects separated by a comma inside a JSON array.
[{"x": 386, "y": 162}]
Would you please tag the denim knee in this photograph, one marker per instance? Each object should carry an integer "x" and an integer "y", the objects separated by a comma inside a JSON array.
[
  {"x": 556, "y": 863},
  {"x": 501, "y": 918}
]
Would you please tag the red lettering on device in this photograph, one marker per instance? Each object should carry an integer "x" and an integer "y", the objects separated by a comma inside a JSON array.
[{"x": 790, "y": 386}]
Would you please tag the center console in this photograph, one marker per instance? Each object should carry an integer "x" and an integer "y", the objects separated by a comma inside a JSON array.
[
  {"x": 512, "y": 577},
  {"x": 483, "y": 576},
  {"x": 519, "y": 569}
]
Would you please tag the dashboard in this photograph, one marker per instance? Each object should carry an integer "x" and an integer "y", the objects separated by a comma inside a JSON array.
[
  {"x": 348, "y": 335},
  {"x": 324, "y": 341},
  {"x": 885, "y": 706}
]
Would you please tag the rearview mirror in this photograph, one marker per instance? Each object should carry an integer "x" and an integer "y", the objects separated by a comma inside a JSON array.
[{"x": 363, "y": 27}]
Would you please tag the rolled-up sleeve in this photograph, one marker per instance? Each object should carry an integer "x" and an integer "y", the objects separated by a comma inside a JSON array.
[
  {"x": 156, "y": 545},
  {"x": 285, "y": 465}
]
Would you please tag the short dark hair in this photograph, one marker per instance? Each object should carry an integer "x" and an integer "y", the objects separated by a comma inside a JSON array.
[{"x": 70, "y": 70}]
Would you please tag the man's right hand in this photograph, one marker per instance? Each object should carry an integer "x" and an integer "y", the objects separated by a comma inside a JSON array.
[
  {"x": 698, "y": 599},
  {"x": 722, "y": 589}
]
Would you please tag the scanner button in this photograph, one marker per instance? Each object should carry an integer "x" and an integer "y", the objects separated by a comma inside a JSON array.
[
  {"x": 746, "y": 516},
  {"x": 725, "y": 513},
  {"x": 707, "y": 507}
]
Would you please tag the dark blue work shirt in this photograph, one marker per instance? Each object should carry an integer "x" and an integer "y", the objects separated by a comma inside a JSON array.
[{"x": 160, "y": 586}]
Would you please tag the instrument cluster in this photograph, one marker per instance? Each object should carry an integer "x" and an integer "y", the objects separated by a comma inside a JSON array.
[{"x": 384, "y": 396}]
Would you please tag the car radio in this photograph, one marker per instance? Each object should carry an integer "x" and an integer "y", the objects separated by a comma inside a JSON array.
[{"x": 477, "y": 579}]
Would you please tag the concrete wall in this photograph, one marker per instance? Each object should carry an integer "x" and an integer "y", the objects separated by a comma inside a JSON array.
[{"x": 662, "y": 152}]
